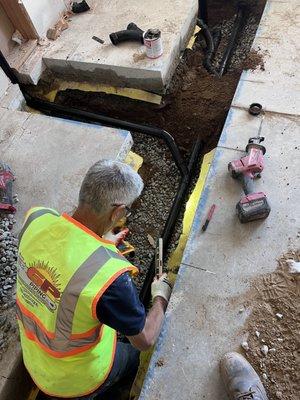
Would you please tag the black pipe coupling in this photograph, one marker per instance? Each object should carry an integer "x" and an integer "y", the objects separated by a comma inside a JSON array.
[{"x": 132, "y": 34}]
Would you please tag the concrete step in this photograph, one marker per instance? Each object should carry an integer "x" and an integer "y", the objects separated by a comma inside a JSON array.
[{"x": 77, "y": 56}]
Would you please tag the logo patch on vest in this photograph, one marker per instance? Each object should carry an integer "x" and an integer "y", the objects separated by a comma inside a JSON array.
[{"x": 39, "y": 283}]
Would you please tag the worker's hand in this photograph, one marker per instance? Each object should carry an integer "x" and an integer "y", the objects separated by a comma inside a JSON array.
[
  {"x": 116, "y": 238},
  {"x": 161, "y": 287}
]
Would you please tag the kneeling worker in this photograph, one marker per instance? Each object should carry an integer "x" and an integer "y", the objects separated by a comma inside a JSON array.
[{"x": 75, "y": 291}]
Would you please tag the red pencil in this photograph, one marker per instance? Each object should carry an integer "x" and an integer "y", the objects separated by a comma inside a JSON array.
[{"x": 209, "y": 217}]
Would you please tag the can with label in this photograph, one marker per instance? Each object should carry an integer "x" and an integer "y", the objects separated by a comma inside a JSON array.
[{"x": 153, "y": 43}]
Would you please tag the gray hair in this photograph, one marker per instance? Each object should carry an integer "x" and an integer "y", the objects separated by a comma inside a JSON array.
[{"x": 109, "y": 183}]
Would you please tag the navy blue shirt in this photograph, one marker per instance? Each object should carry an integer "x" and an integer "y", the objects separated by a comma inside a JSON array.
[{"x": 120, "y": 307}]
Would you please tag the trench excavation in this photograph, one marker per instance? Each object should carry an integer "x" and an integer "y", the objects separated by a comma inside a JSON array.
[
  {"x": 194, "y": 108},
  {"x": 193, "y": 112}
]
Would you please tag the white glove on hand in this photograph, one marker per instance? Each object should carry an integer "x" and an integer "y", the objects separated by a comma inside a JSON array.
[
  {"x": 116, "y": 238},
  {"x": 161, "y": 287}
]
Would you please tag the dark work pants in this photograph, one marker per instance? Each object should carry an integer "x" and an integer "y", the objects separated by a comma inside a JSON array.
[{"x": 121, "y": 376}]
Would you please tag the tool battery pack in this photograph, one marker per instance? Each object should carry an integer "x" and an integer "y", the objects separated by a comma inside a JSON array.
[{"x": 252, "y": 207}]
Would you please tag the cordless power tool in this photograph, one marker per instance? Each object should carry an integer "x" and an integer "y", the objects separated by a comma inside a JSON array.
[
  {"x": 6, "y": 180},
  {"x": 254, "y": 205}
]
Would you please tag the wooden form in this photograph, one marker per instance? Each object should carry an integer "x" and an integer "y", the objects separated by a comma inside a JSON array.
[{"x": 19, "y": 17}]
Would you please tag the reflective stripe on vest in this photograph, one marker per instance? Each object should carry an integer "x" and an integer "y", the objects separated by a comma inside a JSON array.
[
  {"x": 62, "y": 341},
  {"x": 34, "y": 216},
  {"x": 70, "y": 328},
  {"x": 59, "y": 346}
]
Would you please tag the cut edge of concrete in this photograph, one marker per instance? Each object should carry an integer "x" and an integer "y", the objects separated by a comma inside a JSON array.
[{"x": 68, "y": 62}]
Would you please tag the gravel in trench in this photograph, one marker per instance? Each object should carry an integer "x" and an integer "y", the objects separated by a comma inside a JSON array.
[{"x": 150, "y": 212}]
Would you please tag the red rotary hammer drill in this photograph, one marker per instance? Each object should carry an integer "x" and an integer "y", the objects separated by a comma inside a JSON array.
[
  {"x": 254, "y": 205},
  {"x": 6, "y": 180}
]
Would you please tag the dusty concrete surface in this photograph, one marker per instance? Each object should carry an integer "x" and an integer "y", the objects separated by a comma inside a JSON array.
[
  {"x": 207, "y": 313},
  {"x": 79, "y": 57},
  {"x": 50, "y": 156}
]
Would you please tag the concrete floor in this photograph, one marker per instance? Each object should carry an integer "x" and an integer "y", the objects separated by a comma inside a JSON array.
[
  {"x": 203, "y": 320},
  {"x": 49, "y": 157},
  {"x": 77, "y": 56}
]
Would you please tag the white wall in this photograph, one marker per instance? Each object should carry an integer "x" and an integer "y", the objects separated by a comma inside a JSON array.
[{"x": 44, "y": 13}]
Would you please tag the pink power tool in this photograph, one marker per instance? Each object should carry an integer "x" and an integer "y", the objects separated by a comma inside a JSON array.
[
  {"x": 254, "y": 205},
  {"x": 6, "y": 180}
]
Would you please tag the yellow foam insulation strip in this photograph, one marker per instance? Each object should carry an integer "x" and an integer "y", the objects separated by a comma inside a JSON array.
[
  {"x": 190, "y": 210},
  {"x": 175, "y": 260},
  {"x": 33, "y": 393},
  {"x": 134, "y": 160},
  {"x": 135, "y": 94},
  {"x": 193, "y": 38}
]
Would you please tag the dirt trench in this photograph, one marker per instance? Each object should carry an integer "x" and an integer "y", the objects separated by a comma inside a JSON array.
[{"x": 196, "y": 103}]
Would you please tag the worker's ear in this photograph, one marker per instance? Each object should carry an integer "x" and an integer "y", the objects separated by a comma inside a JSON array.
[{"x": 118, "y": 213}]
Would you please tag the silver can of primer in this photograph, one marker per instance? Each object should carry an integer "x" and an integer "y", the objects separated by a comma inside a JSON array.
[{"x": 153, "y": 43}]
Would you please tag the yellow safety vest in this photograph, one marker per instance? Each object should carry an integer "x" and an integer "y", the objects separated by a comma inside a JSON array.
[{"x": 63, "y": 270}]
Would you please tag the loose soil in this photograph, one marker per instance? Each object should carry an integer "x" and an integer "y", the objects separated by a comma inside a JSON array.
[
  {"x": 276, "y": 293},
  {"x": 254, "y": 61}
]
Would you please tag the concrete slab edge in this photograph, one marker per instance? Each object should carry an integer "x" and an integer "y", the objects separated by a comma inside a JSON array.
[{"x": 199, "y": 215}]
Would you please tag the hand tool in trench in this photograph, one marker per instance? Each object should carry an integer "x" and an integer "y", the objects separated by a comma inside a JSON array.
[
  {"x": 159, "y": 258},
  {"x": 120, "y": 231},
  {"x": 6, "y": 180},
  {"x": 254, "y": 205}
]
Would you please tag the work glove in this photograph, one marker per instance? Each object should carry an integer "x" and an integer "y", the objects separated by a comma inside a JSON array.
[
  {"x": 161, "y": 287},
  {"x": 116, "y": 238}
]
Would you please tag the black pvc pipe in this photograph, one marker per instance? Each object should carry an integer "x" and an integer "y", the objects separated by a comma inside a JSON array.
[
  {"x": 202, "y": 10},
  {"x": 232, "y": 40},
  {"x": 61, "y": 111},
  {"x": 210, "y": 47},
  {"x": 132, "y": 34},
  {"x": 145, "y": 293},
  {"x": 126, "y": 36},
  {"x": 217, "y": 36},
  {"x": 8, "y": 70}
]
